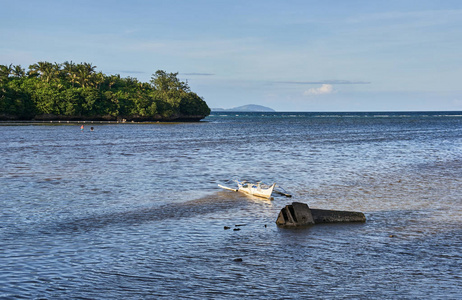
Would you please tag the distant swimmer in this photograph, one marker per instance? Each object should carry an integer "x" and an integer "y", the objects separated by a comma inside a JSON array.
[{"x": 91, "y": 128}]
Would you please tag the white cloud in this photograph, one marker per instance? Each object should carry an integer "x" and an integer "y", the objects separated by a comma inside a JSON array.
[{"x": 322, "y": 90}]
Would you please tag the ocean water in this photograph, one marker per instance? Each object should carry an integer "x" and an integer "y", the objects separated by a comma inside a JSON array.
[{"x": 133, "y": 211}]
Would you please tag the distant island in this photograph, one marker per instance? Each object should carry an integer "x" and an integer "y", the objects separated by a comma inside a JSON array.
[
  {"x": 247, "y": 108},
  {"x": 75, "y": 92}
]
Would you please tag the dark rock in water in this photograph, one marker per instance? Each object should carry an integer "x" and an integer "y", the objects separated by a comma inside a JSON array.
[
  {"x": 238, "y": 259},
  {"x": 227, "y": 227},
  {"x": 299, "y": 214},
  {"x": 236, "y": 229}
]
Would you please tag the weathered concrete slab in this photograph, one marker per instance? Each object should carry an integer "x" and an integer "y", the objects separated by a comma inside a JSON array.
[
  {"x": 336, "y": 216},
  {"x": 295, "y": 215},
  {"x": 299, "y": 214}
]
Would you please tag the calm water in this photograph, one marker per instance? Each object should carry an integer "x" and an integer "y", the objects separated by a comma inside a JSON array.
[{"x": 134, "y": 211}]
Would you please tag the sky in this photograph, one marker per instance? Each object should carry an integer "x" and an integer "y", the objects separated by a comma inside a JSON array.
[{"x": 330, "y": 55}]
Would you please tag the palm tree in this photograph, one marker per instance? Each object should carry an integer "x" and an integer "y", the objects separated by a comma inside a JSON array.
[
  {"x": 84, "y": 73},
  {"x": 98, "y": 78},
  {"x": 33, "y": 71},
  {"x": 56, "y": 71},
  {"x": 45, "y": 70},
  {"x": 5, "y": 71},
  {"x": 113, "y": 80},
  {"x": 18, "y": 71},
  {"x": 70, "y": 70},
  {"x": 90, "y": 68}
]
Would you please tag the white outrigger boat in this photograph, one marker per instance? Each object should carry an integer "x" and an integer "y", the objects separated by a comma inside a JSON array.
[{"x": 254, "y": 189}]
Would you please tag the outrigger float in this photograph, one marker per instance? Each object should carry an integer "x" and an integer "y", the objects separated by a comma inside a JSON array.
[{"x": 255, "y": 189}]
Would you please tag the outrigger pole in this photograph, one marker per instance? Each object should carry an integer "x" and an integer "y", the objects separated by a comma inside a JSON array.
[{"x": 227, "y": 188}]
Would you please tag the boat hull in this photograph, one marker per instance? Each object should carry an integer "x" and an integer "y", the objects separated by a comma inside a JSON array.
[{"x": 256, "y": 189}]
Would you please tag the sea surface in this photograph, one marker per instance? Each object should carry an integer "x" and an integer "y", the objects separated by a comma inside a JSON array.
[{"x": 133, "y": 211}]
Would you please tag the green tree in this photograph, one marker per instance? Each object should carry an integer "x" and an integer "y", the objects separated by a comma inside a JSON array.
[
  {"x": 84, "y": 74},
  {"x": 5, "y": 72},
  {"x": 111, "y": 80},
  {"x": 46, "y": 99},
  {"x": 98, "y": 79},
  {"x": 70, "y": 72},
  {"x": 112, "y": 104},
  {"x": 164, "y": 82},
  {"x": 193, "y": 105},
  {"x": 71, "y": 102},
  {"x": 18, "y": 71},
  {"x": 77, "y": 90},
  {"x": 44, "y": 70},
  {"x": 90, "y": 99}
]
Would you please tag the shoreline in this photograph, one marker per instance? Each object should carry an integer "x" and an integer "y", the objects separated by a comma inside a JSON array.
[
  {"x": 60, "y": 122},
  {"x": 59, "y": 119},
  {"x": 19, "y": 123}
]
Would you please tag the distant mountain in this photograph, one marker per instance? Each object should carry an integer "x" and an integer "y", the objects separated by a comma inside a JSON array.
[{"x": 247, "y": 108}]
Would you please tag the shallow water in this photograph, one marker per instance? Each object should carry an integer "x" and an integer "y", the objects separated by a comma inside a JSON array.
[{"x": 134, "y": 211}]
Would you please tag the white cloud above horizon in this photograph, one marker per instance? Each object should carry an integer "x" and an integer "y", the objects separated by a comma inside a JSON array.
[{"x": 322, "y": 90}]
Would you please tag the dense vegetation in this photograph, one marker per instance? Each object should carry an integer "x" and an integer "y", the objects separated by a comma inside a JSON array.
[{"x": 72, "y": 91}]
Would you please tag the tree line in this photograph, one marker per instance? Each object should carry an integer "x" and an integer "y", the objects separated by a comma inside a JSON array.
[{"x": 71, "y": 91}]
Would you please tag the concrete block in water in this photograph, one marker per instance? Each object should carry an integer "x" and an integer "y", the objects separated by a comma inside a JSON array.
[
  {"x": 299, "y": 214},
  {"x": 336, "y": 216}
]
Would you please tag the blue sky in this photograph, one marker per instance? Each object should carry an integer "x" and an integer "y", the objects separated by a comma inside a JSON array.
[{"x": 288, "y": 55}]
